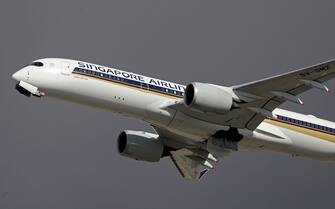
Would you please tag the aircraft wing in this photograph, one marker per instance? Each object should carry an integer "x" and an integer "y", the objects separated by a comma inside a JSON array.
[
  {"x": 257, "y": 100},
  {"x": 263, "y": 96}
]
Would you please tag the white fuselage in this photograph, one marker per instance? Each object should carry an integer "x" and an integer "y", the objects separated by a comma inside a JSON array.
[{"x": 144, "y": 98}]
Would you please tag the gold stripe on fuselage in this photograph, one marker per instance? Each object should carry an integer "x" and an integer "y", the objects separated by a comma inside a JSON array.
[{"x": 311, "y": 132}]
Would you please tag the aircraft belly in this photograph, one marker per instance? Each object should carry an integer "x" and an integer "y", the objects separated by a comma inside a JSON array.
[
  {"x": 310, "y": 145},
  {"x": 297, "y": 142}
]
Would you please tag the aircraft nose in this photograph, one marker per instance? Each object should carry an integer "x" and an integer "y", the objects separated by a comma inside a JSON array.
[{"x": 18, "y": 76}]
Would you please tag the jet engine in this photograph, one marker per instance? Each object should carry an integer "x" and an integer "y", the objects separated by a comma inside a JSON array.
[
  {"x": 140, "y": 145},
  {"x": 208, "y": 98}
]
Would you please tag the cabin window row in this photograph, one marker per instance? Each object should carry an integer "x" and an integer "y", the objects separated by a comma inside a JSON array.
[{"x": 300, "y": 122}]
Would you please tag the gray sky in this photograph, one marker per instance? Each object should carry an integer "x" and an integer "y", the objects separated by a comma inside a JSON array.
[{"x": 55, "y": 154}]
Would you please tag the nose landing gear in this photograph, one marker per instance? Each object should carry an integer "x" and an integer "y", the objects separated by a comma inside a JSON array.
[{"x": 27, "y": 89}]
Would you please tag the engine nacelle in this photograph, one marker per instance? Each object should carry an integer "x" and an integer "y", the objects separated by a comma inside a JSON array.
[
  {"x": 207, "y": 98},
  {"x": 140, "y": 145}
]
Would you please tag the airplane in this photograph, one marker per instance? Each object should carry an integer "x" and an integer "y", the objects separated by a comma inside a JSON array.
[{"x": 196, "y": 124}]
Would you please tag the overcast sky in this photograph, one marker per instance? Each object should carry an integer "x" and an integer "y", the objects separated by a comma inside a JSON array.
[{"x": 55, "y": 154}]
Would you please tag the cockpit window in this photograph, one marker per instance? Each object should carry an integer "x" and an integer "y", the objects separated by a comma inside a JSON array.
[{"x": 37, "y": 64}]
